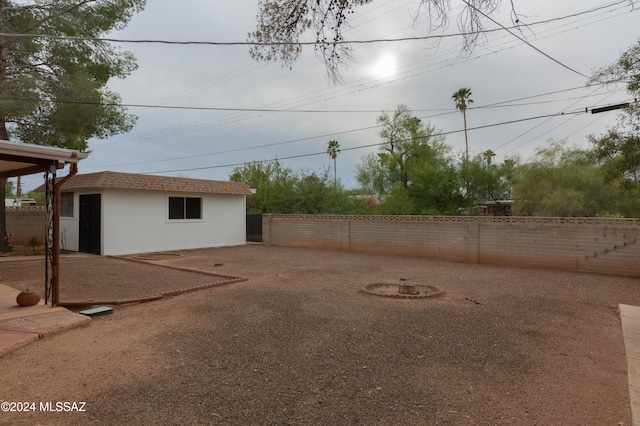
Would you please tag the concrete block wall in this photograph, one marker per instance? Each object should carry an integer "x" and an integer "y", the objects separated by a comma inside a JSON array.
[
  {"x": 25, "y": 223},
  {"x": 611, "y": 248},
  {"x": 449, "y": 241},
  {"x": 608, "y": 246}
]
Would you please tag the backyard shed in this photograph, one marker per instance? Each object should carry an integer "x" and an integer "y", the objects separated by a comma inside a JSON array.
[{"x": 113, "y": 213}]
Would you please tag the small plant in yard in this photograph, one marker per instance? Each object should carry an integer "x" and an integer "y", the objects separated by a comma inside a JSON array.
[
  {"x": 8, "y": 241},
  {"x": 33, "y": 243}
]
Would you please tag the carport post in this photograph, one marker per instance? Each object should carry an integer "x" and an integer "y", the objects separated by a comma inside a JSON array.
[
  {"x": 49, "y": 261},
  {"x": 55, "y": 278},
  {"x": 19, "y": 159}
]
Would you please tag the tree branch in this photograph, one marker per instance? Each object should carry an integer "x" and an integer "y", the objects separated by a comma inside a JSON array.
[{"x": 48, "y": 18}]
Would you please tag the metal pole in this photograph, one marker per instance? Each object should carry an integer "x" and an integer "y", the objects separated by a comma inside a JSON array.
[
  {"x": 73, "y": 169},
  {"x": 50, "y": 266}
]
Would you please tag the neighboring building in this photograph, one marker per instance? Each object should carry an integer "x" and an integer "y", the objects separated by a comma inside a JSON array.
[
  {"x": 19, "y": 202},
  {"x": 496, "y": 208},
  {"x": 123, "y": 213}
]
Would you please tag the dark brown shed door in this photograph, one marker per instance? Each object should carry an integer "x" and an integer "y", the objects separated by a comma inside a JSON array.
[{"x": 89, "y": 238}]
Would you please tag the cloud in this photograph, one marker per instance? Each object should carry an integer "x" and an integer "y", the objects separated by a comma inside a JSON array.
[{"x": 427, "y": 73}]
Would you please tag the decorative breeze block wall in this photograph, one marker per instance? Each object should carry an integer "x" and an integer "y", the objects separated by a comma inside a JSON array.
[{"x": 596, "y": 245}]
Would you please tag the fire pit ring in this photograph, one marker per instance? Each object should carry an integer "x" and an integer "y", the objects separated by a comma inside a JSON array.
[
  {"x": 158, "y": 256},
  {"x": 402, "y": 291}
]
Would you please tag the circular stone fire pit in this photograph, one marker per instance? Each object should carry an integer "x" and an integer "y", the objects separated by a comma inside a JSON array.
[
  {"x": 157, "y": 256},
  {"x": 402, "y": 290}
]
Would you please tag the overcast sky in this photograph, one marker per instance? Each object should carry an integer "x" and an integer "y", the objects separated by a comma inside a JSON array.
[{"x": 510, "y": 81}]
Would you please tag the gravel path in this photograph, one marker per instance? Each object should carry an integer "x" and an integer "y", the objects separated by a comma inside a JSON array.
[{"x": 300, "y": 343}]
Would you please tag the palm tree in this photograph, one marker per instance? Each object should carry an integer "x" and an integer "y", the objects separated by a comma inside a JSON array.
[
  {"x": 333, "y": 149},
  {"x": 488, "y": 155},
  {"x": 508, "y": 168},
  {"x": 462, "y": 99}
]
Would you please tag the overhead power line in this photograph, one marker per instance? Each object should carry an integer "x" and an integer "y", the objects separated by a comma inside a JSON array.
[
  {"x": 364, "y": 84},
  {"x": 311, "y": 43},
  {"x": 343, "y": 132},
  {"x": 196, "y": 108},
  {"x": 363, "y": 146},
  {"x": 572, "y": 115},
  {"x": 525, "y": 41},
  {"x": 268, "y": 109},
  {"x": 238, "y": 43},
  {"x": 314, "y": 97},
  {"x": 502, "y": 104}
]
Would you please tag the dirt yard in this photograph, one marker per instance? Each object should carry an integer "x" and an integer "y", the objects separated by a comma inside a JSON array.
[{"x": 300, "y": 343}]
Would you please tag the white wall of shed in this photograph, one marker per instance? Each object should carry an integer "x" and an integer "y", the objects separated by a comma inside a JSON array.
[
  {"x": 70, "y": 228},
  {"x": 138, "y": 222}
]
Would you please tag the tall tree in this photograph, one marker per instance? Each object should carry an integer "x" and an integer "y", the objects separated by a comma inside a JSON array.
[
  {"x": 371, "y": 176},
  {"x": 281, "y": 190},
  {"x": 54, "y": 71},
  {"x": 488, "y": 182},
  {"x": 412, "y": 173},
  {"x": 273, "y": 183},
  {"x": 563, "y": 181},
  {"x": 462, "y": 99},
  {"x": 403, "y": 134},
  {"x": 618, "y": 150},
  {"x": 333, "y": 149},
  {"x": 8, "y": 188},
  {"x": 282, "y": 23},
  {"x": 507, "y": 173}
]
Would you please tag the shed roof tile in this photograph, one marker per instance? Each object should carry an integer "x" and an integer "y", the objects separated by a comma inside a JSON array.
[{"x": 136, "y": 181}]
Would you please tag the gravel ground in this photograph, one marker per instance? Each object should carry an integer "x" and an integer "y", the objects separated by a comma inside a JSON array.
[{"x": 300, "y": 343}]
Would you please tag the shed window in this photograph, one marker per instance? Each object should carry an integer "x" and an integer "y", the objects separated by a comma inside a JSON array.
[
  {"x": 66, "y": 204},
  {"x": 185, "y": 208}
]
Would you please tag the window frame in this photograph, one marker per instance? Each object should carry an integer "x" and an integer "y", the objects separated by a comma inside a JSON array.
[
  {"x": 67, "y": 204},
  {"x": 180, "y": 208}
]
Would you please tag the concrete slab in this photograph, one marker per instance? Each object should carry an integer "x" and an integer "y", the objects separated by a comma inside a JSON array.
[
  {"x": 45, "y": 324},
  {"x": 630, "y": 319},
  {"x": 21, "y": 325},
  {"x": 630, "y": 311},
  {"x": 632, "y": 325},
  {"x": 12, "y": 340},
  {"x": 9, "y": 308},
  {"x": 634, "y": 395}
]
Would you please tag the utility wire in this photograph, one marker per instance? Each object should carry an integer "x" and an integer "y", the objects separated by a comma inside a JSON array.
[
  {"x": 572, "y": 115},
  {"x": 333, "y": 134},
  {"x": 233, "y": 117},
  {"x": 540, "y": 124},
  {"x": 548, "y": 131},
  {"x": 362, "y": 146},
  {"x": 291, "y": 110},
  {"x": 522, "y": 39},
  {"x": 196, "y": 108},
  {"x": 361, "y": 87},
  {"x": 501, "y": 104},
  {"x": 318, "y": 42},
  {"x": 242, "y": 43}
]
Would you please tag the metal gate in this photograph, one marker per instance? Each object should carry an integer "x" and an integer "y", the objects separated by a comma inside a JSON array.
[{"x": 254, "y": 228}]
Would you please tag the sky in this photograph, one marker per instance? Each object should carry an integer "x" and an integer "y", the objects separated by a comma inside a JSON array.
[{"x": 528, "y": 87}]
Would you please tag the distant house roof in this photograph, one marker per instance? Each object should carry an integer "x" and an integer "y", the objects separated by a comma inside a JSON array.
[{"x": 136, "y": 181}]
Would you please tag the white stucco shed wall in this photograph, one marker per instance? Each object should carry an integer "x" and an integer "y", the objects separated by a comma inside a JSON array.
[
  {"x": 69, "y": 229},
  {"x": 136, "y": 221}
]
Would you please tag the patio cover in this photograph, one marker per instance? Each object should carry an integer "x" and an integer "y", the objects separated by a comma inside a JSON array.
[{"x": 19, "y": 159}]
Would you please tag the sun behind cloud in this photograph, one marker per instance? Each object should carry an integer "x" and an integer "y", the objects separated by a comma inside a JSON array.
[{"x": 385, "y": 66}]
